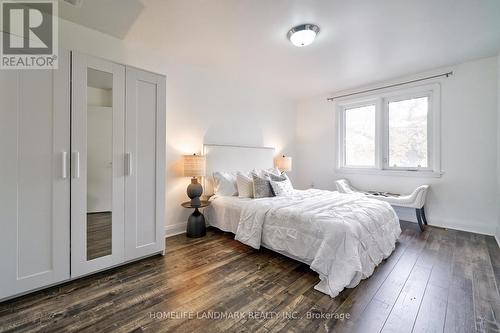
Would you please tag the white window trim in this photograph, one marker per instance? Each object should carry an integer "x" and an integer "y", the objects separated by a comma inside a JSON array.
[
  {"x": 381, "y": 100},
  {"x": 341, "y": 113}
]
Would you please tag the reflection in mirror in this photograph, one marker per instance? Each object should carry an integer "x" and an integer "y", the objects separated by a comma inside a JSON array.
[{"x": 99, "y": 163}]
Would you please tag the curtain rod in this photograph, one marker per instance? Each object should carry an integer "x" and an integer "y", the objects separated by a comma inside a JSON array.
[{"x": 390, "y": 86}]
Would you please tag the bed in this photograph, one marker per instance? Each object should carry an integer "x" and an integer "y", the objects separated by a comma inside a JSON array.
[{"x": 342, "y": 237}]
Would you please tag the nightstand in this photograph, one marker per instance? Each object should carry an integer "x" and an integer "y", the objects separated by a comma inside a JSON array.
[{"x": 196, "y": 221}]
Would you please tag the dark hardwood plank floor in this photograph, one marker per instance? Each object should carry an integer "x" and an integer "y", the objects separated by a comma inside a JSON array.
[
  {"x": 435, "y": 281},
  {"x": 99, "y": 234}
]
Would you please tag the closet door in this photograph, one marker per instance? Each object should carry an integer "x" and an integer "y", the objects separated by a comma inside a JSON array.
[
  {"x": 34, "y": 179},
  {"x": 145, "y": 171},
  {"x": 97, "y": 162}
]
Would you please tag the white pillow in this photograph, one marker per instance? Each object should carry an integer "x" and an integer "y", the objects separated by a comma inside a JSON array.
[
  {"x": 225, "y": 184},
  {"x": 245, "y": 185},
  {"x": 282, "y": 188}
]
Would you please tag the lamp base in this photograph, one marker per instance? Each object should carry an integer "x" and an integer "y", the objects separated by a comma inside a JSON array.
[
  {"x": 194, "y": 191},
  {"x": 195, "y": 202},
  {"x": 196, "y": 225}
]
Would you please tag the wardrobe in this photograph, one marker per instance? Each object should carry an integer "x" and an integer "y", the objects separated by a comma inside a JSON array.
[{"x": 82, "y": 172}]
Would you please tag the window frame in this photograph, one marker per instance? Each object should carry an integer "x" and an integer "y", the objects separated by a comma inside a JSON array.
[
  {"x": 381, "y": 101},
  {"x": 358, "y": 104}
]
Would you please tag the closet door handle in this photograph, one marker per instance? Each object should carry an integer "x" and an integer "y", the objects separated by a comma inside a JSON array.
[
  {"x": 128, "y": 164},
  {"x": 76, "y": 164},
  {"x": 64, "y": 165}
]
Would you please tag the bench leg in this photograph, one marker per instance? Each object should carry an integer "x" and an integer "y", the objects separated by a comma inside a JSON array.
[
  {"x": 422, "y": 211},
  {"x": 419, "y": 219}
]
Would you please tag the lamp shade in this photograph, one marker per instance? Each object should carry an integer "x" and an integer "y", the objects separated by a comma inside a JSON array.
[
  {"x": 284, "y": 163},
  {"x": 194, "y": 165}
]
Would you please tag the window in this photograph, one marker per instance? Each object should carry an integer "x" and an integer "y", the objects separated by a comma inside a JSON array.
[
  {"x": 407, "y": 121},
  {"x": 394, "y": 132},
  {"x": 360, "y": 136}
]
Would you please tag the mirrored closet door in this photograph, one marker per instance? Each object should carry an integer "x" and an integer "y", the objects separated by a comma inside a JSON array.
[{"x": 97, "y": 164}]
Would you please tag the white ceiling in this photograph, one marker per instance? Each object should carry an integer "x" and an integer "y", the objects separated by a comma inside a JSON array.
[
  {"x": 113, "y": 17},
  {"x": 361, "y": 41}
]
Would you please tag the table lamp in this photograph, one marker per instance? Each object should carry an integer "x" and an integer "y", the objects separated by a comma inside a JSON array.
[
  {"x": 194, "y": 166},
  {"x": 284, "y": 163}
]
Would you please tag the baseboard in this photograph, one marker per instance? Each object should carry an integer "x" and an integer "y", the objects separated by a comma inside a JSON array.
[
  {"x": 408, "y": 214},
  {"x": 478, "y": 228},
  {"x": 175, "y": 229}
]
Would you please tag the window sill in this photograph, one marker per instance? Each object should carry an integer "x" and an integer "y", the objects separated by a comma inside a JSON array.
[{"x": 395, "y": 173}]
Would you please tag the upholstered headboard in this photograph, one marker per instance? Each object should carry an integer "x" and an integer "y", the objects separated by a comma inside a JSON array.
[{"x": 234, "y": 158}]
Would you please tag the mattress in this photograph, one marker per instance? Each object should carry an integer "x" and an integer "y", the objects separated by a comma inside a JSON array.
[{"x": 224, "y": 213}]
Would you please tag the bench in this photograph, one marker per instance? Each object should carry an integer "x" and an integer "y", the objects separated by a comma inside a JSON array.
[{"x": 415, "y": 200}]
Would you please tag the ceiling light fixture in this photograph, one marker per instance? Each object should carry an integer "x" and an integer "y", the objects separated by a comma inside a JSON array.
[{"x": 303, "y": 35}]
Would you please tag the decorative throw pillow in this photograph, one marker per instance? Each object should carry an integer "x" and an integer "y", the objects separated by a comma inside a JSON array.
[
  {"x": 282, "y": 188},
  {"x": 225, "y": 184},
  {"x": 262, "y": 187},
  {"x": 245, "y": 185},
  {"x": 280, "y": 178},
  {"x": 274, "y": 171}
]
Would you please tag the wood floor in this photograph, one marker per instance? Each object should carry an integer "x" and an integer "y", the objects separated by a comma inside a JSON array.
[
  {"x": 439, "y": 280},
  {"x": 99, "y": 235}
]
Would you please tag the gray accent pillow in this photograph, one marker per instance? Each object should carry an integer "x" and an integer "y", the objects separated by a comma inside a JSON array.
[{"x": 262, "y": 187}]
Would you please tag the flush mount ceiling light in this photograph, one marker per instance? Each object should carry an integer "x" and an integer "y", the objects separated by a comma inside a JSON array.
[{"x": 303, "y": 35}]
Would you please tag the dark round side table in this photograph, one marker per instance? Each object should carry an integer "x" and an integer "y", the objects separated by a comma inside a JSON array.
[{"x": 196, "y": 221}]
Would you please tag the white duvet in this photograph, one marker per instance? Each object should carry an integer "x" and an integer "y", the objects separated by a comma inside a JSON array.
[{"x": 342, "y": 236}]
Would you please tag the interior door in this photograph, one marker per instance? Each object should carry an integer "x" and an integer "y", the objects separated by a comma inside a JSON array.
[
  {"x": 34, "y": 179},
  {"x": 145, "y": 174},
  {"x": 97, "y": 163}
]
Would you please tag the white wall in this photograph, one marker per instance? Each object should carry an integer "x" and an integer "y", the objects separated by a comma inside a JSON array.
[
  {"x": 100, "y": 150},
  {"x": 465, "y": 197},
  {"x": 202, "y": 107},
  {"x": 99, "y": 159},
  {"x": 99, "y": 97}
]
